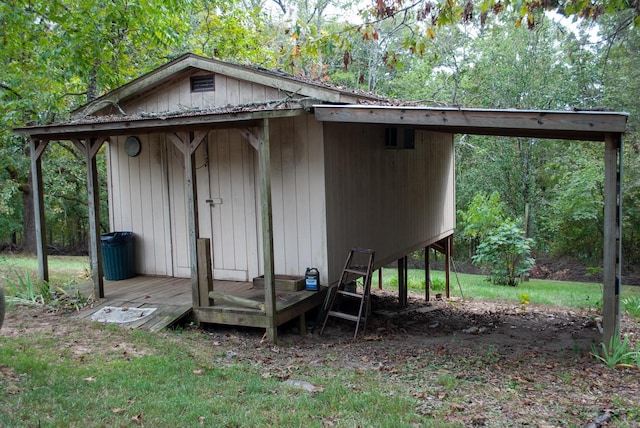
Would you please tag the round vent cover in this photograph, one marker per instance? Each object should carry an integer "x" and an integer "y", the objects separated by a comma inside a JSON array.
[{"x": 132, "y": 146}]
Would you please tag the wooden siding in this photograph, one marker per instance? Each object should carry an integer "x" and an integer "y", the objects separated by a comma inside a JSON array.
[
  {"x": 394, "y": 201},
  {"x": 139, "y": 202},
  {"x": 176, "y": 96},
  {"x": 297, "y": 188}
]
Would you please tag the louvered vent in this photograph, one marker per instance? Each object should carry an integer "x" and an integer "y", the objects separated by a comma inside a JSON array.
[{"x": 203, "y": 83}]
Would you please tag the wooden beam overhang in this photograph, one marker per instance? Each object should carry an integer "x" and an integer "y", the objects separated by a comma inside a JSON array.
[
  {"x": 573, "y": 125},
  {"x": 130, "y": 125}
]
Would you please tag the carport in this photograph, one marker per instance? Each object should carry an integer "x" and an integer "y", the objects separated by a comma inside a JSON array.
[{"x": 596, "y": 126}]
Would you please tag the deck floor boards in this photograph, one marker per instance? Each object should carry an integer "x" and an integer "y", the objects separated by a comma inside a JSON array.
[{"x": 173, "y": 301}]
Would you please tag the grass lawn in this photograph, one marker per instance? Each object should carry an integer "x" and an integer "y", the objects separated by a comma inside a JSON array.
[
  {"x": 579, "y": 295},
  {"x": 58, "y": 372}
]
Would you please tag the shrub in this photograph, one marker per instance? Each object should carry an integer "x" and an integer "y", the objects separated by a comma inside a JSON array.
[{"x": 506, "y": 253}]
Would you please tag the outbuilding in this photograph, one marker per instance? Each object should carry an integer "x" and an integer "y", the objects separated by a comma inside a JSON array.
[{"x": 231, "y": 173}]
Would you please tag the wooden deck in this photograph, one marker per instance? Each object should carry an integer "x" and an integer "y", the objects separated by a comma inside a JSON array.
[
  {"x": 173, "y": 301},
  {"x": 170, "y": 296}
]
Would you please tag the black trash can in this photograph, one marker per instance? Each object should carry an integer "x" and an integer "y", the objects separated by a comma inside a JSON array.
[{"x": 118, "y": 256}]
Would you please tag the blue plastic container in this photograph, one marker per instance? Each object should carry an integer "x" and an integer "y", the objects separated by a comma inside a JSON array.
[{"x": 312, "y": 279}]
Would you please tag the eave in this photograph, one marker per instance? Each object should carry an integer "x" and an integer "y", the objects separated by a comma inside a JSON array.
[
  {"x": 569, "y": 125},
  {"x": 128, "y": 125}
]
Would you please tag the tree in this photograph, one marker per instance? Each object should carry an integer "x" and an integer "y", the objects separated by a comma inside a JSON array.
[
  {"x": 483, "y": 215},
  {"x": 57, "y": 55},
  {"x": 526, "y": 12}
]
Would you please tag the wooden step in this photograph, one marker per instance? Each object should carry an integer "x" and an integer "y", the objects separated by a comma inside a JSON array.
[
  {"x": 343, "y": 316},
  {"x": 356, "y": 271},
  {"x": 350, "y": 294}
]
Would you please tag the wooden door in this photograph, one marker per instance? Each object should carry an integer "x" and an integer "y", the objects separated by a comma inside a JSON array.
[{"x": 229, "y": 217}]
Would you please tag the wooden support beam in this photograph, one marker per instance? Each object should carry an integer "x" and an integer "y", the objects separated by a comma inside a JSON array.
[
  {"x": 205, "y": 279},
  {"x": 611, "y": 284},
  {"x": 237, "y": 300},
  {"x": 259, "y": 140},
  {"x": 447, "y": 264},
  {"x": 380, "y": 278},
  {"x": 267, "y": 229},
  {"x": 427, "y": 273},
  {"x": 91, "y": 148},
  {"x": 402, "y": 281},
  {"x": 591, "y": 126},
  {"x": 37, "y": 147},
  {"x": 187, "y": 144}
]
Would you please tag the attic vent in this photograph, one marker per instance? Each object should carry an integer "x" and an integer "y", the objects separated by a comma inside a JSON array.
[
  {"x": 400, "y": 138},
  {"x": 203, "y": 83}
]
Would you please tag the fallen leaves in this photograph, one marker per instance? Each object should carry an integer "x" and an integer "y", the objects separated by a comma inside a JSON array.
[{"x": 137, "y": 419}]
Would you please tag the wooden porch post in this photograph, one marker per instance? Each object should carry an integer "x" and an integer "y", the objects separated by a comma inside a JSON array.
[
  {"x": 611, "y": 283},
  {"x": 267, "y": 230},
  {"x": 260, "y": 142},
  {"x": 447, "y": 264},
  {"x": 427, "y": 273},
  {"x": 90, "y": 149},
  {"x": 402, "y": 281},
  {"x": 188, "y": 143},
  {"x": 37, "y": 148}
]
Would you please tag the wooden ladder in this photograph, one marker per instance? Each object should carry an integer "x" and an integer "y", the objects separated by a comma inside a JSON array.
[{"x": 359, "y": 264}]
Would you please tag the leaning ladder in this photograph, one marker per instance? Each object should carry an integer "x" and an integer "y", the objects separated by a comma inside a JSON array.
[{"x": 359, "y": 264}]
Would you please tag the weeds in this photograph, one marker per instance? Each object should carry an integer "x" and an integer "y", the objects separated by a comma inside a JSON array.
[
  {"x": 23, "y": 290},
  {"x": 631, "y": 306},
  {"x": 437, "y": 284},
  {"x": 619, "y": 352}
]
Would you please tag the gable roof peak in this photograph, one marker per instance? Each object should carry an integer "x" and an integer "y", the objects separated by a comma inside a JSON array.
[{"x": 187, "y": 62}]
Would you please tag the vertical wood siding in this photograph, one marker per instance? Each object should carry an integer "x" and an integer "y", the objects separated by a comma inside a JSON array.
[
  {"x": 394, "y": 201},
  {"x": 297, "y": 188},
  {"x": 138, "y": 202}
]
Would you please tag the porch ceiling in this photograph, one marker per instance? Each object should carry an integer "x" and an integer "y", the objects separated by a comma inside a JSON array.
[{"x": 568, "y": 125}]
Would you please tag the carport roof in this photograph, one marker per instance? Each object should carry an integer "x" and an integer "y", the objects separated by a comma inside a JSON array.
[{"x": 569, "y": 125}]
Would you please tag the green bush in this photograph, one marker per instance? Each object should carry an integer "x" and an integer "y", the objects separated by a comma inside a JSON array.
[{"x": 506, "y": 253}]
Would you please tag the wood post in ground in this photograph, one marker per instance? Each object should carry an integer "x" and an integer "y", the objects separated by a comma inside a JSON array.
[{"x": 205, "y": 277}]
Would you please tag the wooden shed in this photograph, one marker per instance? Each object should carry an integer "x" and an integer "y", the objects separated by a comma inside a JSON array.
[{"x": 228, "y": 172}]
